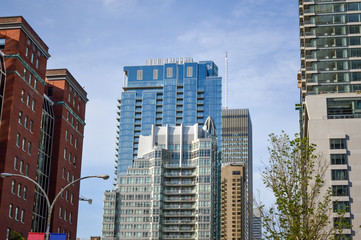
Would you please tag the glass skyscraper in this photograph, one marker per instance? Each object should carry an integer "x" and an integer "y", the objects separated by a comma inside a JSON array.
[{"x": 166, "y": 91}]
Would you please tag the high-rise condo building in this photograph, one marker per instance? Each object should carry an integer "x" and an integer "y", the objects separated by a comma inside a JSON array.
[
  {"x": 257, "y": 225},
  {"x": 237, "y": 149},
  {"x": 170, "y": 191},
  {"x": 330, "y": 84},
  {"x": 165, "y": 91},
  {"x": 41, "y": 134}
]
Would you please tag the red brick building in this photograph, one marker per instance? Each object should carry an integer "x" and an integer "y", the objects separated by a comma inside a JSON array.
[{"x": 40, "y": 119}]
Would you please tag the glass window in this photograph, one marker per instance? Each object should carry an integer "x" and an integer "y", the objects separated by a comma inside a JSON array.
[
  {"x": 31, "y": 126},
  {"x": 13, "y": 186},
  {"x": 28, "y": 100},
  {"x": 30, "y": 78},
  {"x": 338, "y": 159},
  {"x": 17, "y": 213},
  {"x": 169, "y": 72},
  {"x": 22, "y": 95},
  {"x": 338, "y": 143},
  {"x": 15, "y": 163},
  {"x": 189, "y": 71},
  {"x": 140, "y": 75},
  {"x": 23, "y": 145},
  {"x": 26, "y": 122},
  {"x": 18, "y": 140},
  {"x": 340, "y": 190},
  {"x": 341, "y": 206},
  {"x": 65, "y": 153},
  {"x": 21, "y": 166},
  {"x": 10, "y": 211},
  {"x": 66, "y": 135},
  {"x": 2, "y": 43},
  {"x": 22, "y": 216},
  {"x": 29, "y": 148},
  {"x": 27, "y": 170},
  {"x": 60, "y": 212},
  {"x": 19, "y": 190},
  {"x": 155, "y": 73},
  {"x": 25, "y": 191},
  {"x": 20, "y": 117},
  {"x": 339, "y": 174},
  {"x": 33, "y": 105}
]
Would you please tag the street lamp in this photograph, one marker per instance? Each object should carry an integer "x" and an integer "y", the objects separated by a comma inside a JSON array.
[{"x": 51, "y": 206}]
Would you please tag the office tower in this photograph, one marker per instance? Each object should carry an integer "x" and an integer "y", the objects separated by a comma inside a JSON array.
[
  {"x": 330, "y": 83},
  {"x": 2, "y": 77},
  {"x": 257, "y": 224},
  {"x": 36, "y": 104},
  {"x": 171, "y": 189},
  {"x": 237, "y": 148},
  {"x": 233, "y": 210},
  {"x": 165, "y": 91}
]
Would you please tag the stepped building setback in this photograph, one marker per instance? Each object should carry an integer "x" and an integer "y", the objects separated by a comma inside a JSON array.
[
  {"x": 41, "y": 134},
  {"x": 170, "y": 191}
]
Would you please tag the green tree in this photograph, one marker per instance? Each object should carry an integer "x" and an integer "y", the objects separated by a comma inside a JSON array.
[
  {"x": 15, "y": 236},
  {"x": 303, "y": 204}
]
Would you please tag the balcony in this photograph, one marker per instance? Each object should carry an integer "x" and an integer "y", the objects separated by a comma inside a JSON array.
[
  {"x": 182, "y": 183},
  {"x": 179, "y": 229},
  {"x": 175, "y": 166},
  {"x": 180, "y": 174},
  {"x": 180, "y": 191},
  {"x": 179, "y": 221},
  {"x": 180, "y": 199},
  {"x": 179, "y": 213},
  {"x": 180, "y": 206},
  {"x": 178, "y": 236}
]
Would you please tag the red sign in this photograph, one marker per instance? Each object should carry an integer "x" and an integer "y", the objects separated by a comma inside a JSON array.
[{"x": 36, "y": 236}]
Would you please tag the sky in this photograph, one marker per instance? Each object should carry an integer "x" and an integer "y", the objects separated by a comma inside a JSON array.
[{"x": 95, "y": 39}]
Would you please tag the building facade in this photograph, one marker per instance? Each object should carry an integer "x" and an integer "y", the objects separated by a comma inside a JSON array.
[
  {"x": 257, "y": 224},
  {"x": 233, "y": 210},
  {"x": 237, "y": 149},
  {"x": 171, "y": 189},
  {"x": 2, "y": 78},
  {"x": 30, "y": 133},
  {"x": 330, "y": 83},
  {"x": 165, "y": 91}
]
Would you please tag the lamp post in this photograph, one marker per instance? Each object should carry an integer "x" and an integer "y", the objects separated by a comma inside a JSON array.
[{"x": 51, "y": 205}]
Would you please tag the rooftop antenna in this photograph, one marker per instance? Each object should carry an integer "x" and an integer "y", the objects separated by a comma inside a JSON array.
[{"x": 226, "y": 83}]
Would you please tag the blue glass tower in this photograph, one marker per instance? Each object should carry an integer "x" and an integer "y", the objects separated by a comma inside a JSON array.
[{"x": 166, "y": 91}]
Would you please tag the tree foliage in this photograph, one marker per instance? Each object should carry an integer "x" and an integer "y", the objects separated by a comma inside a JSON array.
[
  {"x": 303, "y": 206},
  {"x": 15, "y": 236}
]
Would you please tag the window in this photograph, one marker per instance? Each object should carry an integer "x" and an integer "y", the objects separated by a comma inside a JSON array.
[
  {"x": 27, "y": 170},
  {"x": 19, "y": 190},
  {"x": 344, "y": 223},
  {"x": 65, "y": 215},
  {"x": 68, "y": 177},
  {"x": 139, "y": 74},
  {"x": 66, "y": 135},
  {"x": 25, "y": 191},
  {"x": 60, "y": 212},
  {"x": 63, "y": 173},
  {"x": 71, "y": 139},
  {"x": 74, "y": 161},
  {"x": 339, "y": 174},
  {"x": 27, "y": 52},
  {"x": 31, "y": 126},
  {"x": 155, "y": 73},
  {"x": 69, "y": 97},
  {"x": 11, "y": 211},
  {"x": 25, "y": 72},
  {"x": 22, "y": 216},
  {"x": 340, "y": 190},
  {"x": 37, "y": 63},
  {"x": 17, "y": 213},
  {"x": 33, "y": 105},
  {"x": 32, "y": 57},
  {"x": 76, "y": 143},
  {"x": 18, "y": 140},
  {"x": 70, "y": 217},
  {"x": 338, "y": 143},
  {"x": 20, "y": 117},
  {"x": 71, "y": 198},
  {"x": 15, "y": 163},
  {"x": 341, "y": 206},
  {"x": 30, "y": 78},
  {"x": 29, "y": 148},
  {"x": 77, "y": 125},
  {"x": 67, "y": 195},
  {"x": 28, "y": 100},
  {"x": 169, "y": 72},
  {"x": 50, "y": 91},
  {"x": 338, "y": 159},
  {"x": 2, "y": 43},
  {"x": 22, "y": 95},
  {"x": 189, "y": 71},
  {"x": 236, "y": 173},
  {"x": 23, "y": 145},
  {"x": 35, "y": 83},
  {"x": 69, "y": 157},
  {"x": 26, "y": 122},
  {"x": 13, "y": 186},
  {"x": 21, "y": 166},
  {"x": 65, "y": 153}
]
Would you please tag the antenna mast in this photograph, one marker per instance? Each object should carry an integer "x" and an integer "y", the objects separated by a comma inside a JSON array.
[{"x": 226, "y": 82}]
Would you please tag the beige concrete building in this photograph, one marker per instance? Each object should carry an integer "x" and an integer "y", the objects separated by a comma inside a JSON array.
[
  {"x": 233, "y": 198},
  {"x": 332, "y": 122}
]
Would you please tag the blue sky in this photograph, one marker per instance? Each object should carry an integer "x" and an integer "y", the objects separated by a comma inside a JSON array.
[{"x": 94, "y": 39}]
